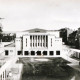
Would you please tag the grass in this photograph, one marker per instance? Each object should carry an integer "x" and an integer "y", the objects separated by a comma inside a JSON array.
[{"x": 55, "y": 69}]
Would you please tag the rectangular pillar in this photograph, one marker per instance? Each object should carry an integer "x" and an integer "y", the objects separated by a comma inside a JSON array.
[
  {"x": 37, "y": 40},
  {"x": 45, "y": 40},
  {"x": 42, "y": 40},
  {"x": 32, "y": 40}
]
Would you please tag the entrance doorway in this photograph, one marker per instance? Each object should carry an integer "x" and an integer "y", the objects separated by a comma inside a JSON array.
[
  {"x": 44, "y": 52},
  {"x": 32, "y": 52},
  {"x": 38, "y": 52}
]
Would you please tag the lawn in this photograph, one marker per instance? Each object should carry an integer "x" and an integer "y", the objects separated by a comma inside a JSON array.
[{"x": 54, "y": 69}]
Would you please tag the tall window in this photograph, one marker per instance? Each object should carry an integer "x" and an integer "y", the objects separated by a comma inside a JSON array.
[
  {"x": 51, "y": 42},
  {"x": 38, "y": 40},
  {"x": 30, "y": 41},
  {"x": 46, "y": 41},
  {"x": 26, "y": 42},
  {"x": 41, "y": 41}
]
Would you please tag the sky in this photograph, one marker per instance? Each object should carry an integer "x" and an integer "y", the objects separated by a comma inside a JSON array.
[{"x": 20, "y": 15}]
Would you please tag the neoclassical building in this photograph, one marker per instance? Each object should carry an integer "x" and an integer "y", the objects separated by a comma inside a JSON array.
[{"x": 36, "y": 42}]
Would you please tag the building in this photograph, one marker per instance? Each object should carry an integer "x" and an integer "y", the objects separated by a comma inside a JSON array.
[
  {"x": 77, "y": 39},
  {"x": 34, "y": 43},
  {"x": 64, "y": 34}
]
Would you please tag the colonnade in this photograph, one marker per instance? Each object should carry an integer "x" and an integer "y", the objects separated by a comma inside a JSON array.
[{"x": 38, "y": 41}]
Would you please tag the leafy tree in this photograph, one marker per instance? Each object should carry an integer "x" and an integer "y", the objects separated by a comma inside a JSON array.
[{"x": 1, "y": 35}]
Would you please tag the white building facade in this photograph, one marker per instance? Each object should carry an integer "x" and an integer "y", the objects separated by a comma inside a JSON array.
[{"x": 38, "y": 42}]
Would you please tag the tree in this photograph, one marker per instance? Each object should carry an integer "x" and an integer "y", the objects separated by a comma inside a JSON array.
[{"x": 1, "y": 35}]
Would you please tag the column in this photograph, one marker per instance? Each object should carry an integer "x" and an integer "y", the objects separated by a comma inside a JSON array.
[
  {"x": 32, "y": 40},
  {"x": 37, "y": 40},
  {"x": 45, "y": 40},
  {"x": 42, "y": 40}
]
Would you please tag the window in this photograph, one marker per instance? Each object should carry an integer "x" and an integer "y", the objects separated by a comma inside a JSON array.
[
  {"x": 51, "y": 52},
  {"x": 38, "y": 44},
  {"x": 38, "y": 52},
  {"x": 26, "y": 53},
  {"x": 19, "y": 52},
  {"x": 33, "y": 44},
  {"x": 44, "y": 52},
  {"x": 41, "y": 44},
  {"x": 57, "y": 52},
  {"x": 51, "y": 42},
  {"x": 30, "y": 41},
  {"x": 32, "y": 52},
  {"x": 6, "y": 52},
  {"x": 46, "y": 41},
  {"x": 26, "y": 42},
  {"x": 11, "y": 50}
]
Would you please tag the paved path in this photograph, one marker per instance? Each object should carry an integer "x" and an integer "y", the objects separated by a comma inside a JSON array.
[
  {"x": 66, "y": 55},
  {"x": 17, "y": 71}
]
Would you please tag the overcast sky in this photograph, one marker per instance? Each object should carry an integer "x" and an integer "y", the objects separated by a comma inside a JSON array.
[{"x": 21, "y": 15}]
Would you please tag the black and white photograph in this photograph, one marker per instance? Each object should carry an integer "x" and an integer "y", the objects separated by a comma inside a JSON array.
[{"x": 39, "y": 39}]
